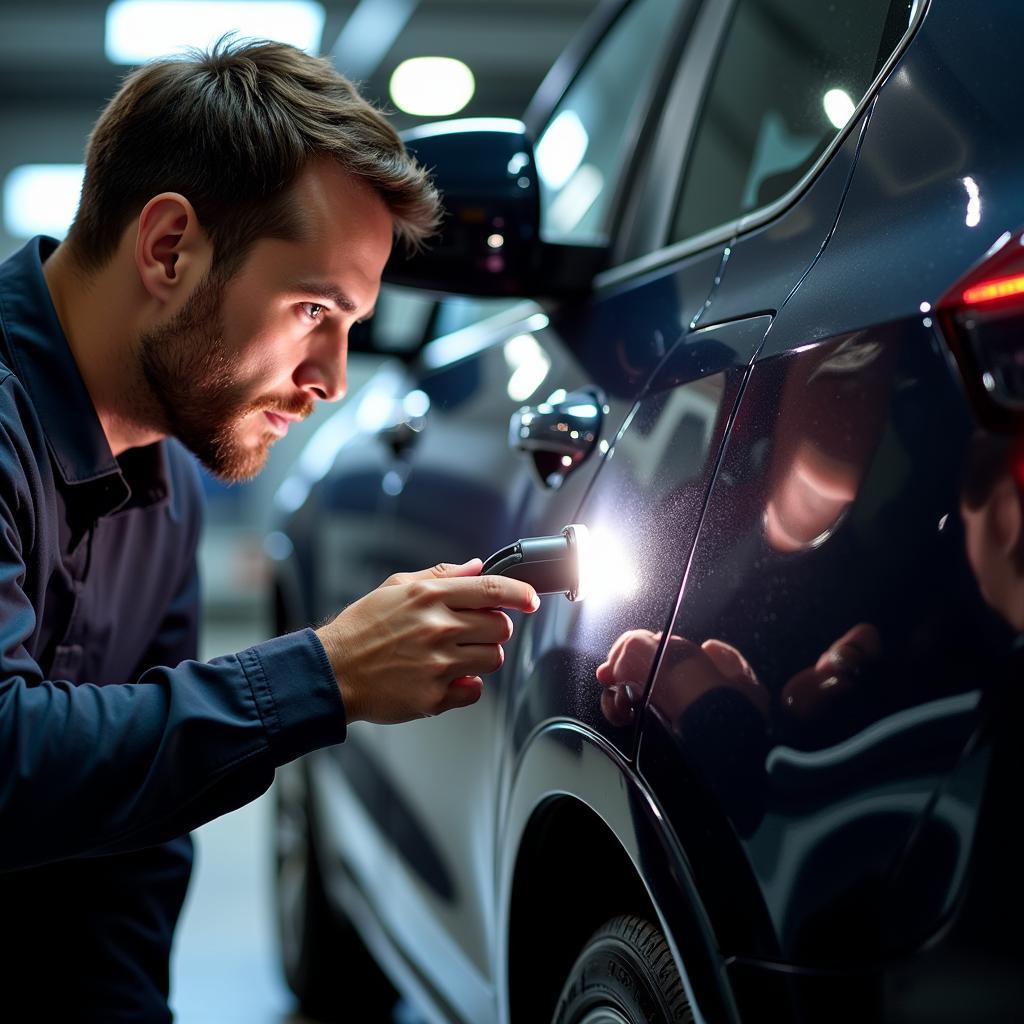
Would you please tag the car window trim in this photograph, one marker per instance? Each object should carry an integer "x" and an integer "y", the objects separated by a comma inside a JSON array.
[
  {"x": 548, "y": 97},
  {"x": 729, "y": 231},
  {"x": 652, "y": 203}
]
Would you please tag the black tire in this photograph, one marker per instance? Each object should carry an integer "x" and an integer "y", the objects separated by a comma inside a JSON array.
[
  {"x": 625, "y": 975},
  {"x": 325, "y": 963}
]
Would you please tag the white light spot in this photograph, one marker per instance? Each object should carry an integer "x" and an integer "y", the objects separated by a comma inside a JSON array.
[
  {"x": 561, "y": 149},
  {"x": 973, "y": 218},
  {"x": 431, "y": 86},
  {"x": 943, "y": 521},
  {"x": 927, "y": 321},
  {"x": 925, "y": 307},
  {"x": 606, "y": 569},
  {"x": 41, "y": 199},
  {"x": 989, "y": 381},
  {"x": 495, "y": 241},
  {"x": 517, "y": 163},
  {"x": 529, "y": 364},
  {"x": 416, "y": 403},
  {"x": 603, "y": 447},
  {"x": 567, "y": 461},
  {"x": 139, "y": 30},
  {"x": 838, "y": 106}
]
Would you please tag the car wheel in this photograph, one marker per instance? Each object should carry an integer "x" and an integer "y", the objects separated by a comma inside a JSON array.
[
  {"x": 625, "y": 975},
  {"x": 325, "y": 962}
]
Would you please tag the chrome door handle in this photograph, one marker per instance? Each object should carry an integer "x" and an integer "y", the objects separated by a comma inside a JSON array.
[{"x": 565, "y": 427}]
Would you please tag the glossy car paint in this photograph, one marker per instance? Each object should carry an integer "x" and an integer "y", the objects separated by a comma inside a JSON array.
[
  {"x": 779, "y": 462},
  {"x": 849, "y": 849}
]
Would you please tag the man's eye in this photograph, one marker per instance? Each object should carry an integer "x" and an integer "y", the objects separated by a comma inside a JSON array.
[{"x": 313, "y": 310}]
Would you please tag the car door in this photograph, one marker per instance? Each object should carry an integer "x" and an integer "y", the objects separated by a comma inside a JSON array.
[{"x": 823, "y": 675}]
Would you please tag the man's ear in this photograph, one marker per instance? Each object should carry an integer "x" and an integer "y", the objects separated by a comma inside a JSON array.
[{"x": 172, "y": 252}]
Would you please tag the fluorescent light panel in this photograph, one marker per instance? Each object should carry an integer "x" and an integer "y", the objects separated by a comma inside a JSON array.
[
  {"x": 432, "y": 86},
  {"x": 139, "y": 30},
  {"x": 41, "y": 199}
]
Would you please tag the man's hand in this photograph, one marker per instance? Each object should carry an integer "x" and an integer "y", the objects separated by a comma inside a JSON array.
[{"x": 418, "y": 644}]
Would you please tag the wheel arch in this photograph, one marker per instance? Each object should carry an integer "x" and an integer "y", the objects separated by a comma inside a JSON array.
[{"x": 583, "y": 834}]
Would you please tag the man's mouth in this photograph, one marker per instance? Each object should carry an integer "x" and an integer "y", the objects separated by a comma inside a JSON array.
[{"x": 278, "y": 423}]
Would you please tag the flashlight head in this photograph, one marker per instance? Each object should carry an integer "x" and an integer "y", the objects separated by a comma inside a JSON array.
[{"x": 551, "y": 565}]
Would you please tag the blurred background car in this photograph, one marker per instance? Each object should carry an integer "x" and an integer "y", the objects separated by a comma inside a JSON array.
[{"x": 767, "y": 264}]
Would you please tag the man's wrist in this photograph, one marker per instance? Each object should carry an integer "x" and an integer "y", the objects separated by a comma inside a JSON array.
[{"x": 332, "y": 648}]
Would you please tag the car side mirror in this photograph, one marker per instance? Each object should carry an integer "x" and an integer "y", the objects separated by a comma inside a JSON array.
[{"x": 490, "y": 241}]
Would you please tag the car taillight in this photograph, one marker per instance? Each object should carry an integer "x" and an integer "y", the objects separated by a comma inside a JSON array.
[{"x": 982, "y": 316}]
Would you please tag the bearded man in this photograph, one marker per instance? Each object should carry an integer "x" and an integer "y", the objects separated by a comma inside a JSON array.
[{"x": 237, "y": 211}]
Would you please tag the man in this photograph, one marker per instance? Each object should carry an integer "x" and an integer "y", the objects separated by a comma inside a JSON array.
[{"x": 237, "y": 211}]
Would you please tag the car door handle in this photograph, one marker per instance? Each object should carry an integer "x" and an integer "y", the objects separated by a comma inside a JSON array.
[{"x": 565, "y": 427}]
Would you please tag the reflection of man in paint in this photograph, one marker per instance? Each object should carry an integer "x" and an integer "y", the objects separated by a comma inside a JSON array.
[{"x": 992, "y": 509}]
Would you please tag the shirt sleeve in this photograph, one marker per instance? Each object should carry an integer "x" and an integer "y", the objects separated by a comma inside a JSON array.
[{"x": 87, "y": 769}]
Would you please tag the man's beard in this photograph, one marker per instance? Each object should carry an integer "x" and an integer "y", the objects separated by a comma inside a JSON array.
[{"x": 201, "y": 397}]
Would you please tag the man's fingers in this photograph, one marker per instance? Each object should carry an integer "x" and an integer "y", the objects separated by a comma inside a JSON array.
[
  {"x": 486, "y": 626},
  {"x": 462, "y": 692},
  {"x": 477, "y": 659},
  {"x": 441, "y": 571},
  {"x": 489, "y": 592}
]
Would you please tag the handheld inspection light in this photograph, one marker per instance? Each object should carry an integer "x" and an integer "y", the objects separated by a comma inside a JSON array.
[{"x": 551, "y": 565}]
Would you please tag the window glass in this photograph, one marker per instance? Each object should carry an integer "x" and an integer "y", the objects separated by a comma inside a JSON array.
[
  {"x": 788, "y": 79},
  {"x": 580, "y": 154}
]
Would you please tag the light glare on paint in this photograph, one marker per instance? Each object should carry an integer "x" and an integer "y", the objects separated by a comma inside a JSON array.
[
  {"x": 139, "y": 30},
  {"x": 606, "y": 569},
  {"x": 431, "y": 86},
  {"x": 839, "y": 107}
]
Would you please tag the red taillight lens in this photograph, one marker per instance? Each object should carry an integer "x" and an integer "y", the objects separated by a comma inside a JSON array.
[
  {"x": 994, "y": 290},
  {"x": 983, "y": 319}
]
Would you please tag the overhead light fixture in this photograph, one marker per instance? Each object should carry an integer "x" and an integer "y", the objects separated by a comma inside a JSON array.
[
  {"x": 139, "y": 30},
  {"x": 432, "y": 86},
  {"x": 41, "y": 199}
]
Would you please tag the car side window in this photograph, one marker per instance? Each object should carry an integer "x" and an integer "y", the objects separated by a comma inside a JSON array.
[
  {"x": 580, "y": 154},
  {"x": 789, "y": 76}
]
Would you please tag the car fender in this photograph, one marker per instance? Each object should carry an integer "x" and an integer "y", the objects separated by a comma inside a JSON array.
[{"x": 562, "y": 761}]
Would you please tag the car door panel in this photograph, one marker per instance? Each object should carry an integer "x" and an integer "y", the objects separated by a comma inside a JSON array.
[{"x": 834, "y": 515}]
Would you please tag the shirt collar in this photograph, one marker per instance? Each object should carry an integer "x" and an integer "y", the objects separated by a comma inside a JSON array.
[{"x": 43, "y": 362}]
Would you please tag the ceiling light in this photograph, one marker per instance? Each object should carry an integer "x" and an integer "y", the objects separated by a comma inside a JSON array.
[
  {"x": 41, "y": 199},
  {"x": 431, "y": 86},
  {"x": 139, "y": 30}
]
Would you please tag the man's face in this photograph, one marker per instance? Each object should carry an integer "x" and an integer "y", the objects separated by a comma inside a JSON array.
[{"x": 244, "y": 357}]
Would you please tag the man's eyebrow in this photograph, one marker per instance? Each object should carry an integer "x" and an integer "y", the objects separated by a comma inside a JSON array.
[{"x": 326, "y": 290}]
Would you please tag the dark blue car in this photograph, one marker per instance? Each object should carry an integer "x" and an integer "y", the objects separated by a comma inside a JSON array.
[{"x": 748, "y": 285}]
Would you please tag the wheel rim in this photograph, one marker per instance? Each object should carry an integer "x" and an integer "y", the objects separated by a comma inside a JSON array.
[{"x": 605, "y": 1015}]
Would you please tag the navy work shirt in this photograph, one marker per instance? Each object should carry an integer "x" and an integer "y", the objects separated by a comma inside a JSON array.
[{"x": 113, "y": 741}]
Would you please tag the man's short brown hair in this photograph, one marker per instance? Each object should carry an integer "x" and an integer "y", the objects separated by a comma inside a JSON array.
[{"x": 231, "y": 130}]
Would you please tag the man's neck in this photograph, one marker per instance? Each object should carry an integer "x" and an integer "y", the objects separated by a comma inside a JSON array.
[{"x": 97, "y": 317}]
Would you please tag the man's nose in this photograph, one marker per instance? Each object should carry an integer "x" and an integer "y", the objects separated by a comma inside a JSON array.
[{"x": 322, "y": 374}]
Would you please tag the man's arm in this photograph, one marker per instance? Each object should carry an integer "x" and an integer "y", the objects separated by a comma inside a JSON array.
[{"x": 89, "y": 770}]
